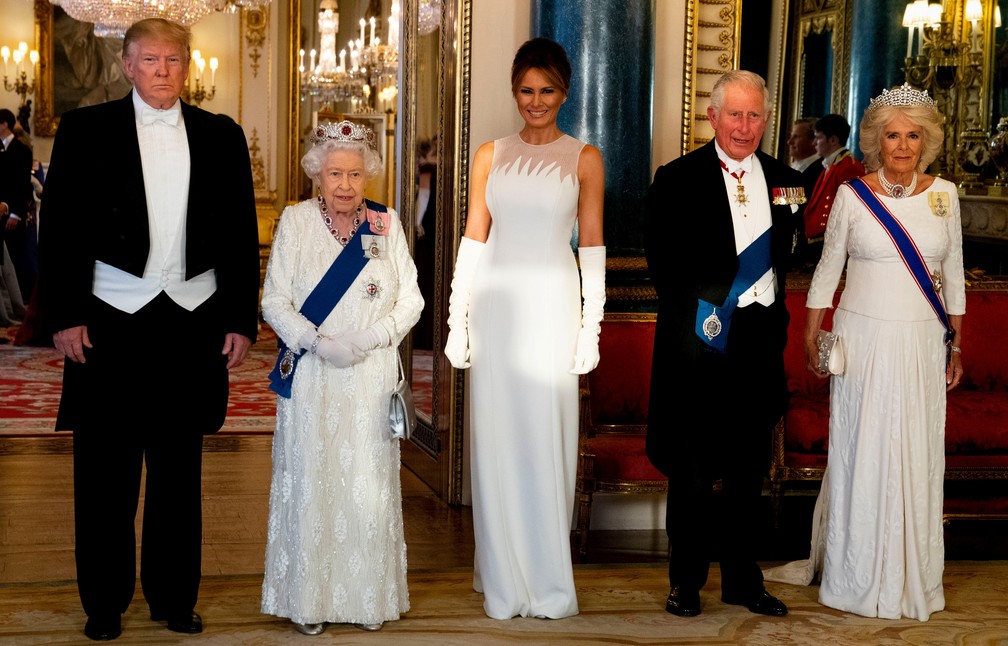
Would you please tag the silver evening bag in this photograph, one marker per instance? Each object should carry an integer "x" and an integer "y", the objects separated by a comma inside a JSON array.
[{"x": 402, "y": 414}]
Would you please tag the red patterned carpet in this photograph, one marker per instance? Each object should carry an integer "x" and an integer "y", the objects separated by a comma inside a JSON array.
[{"x": 30, "y": 383}]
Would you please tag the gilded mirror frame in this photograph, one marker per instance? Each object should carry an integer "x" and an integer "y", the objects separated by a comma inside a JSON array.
[{"x": 434, "y": 454}]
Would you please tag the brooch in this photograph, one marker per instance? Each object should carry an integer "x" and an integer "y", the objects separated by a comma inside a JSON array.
[
  {"x": 789, "y": 195},
  {"x": 378, "y": 222},
  {"x": 287, "y": 364},
  {"x": 939, "y": 203},
  {"x": 372, "y": 291},
  {"x": 373, "y": 246}
]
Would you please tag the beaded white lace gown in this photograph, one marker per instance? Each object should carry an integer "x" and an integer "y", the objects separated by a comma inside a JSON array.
[
  {"x": 335, "y": 549},
  {"x": 883, "y": 539},
  {"x": 524, "y": 317}
]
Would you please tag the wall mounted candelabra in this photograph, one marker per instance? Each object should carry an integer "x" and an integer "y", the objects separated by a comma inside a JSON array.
[
  {"x": 196, "y": 92},
  {"x": 949, "y": 63},
  {"x": 25, "y": 61}
]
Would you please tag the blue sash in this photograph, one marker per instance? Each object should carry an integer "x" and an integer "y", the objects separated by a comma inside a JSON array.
[
  {"x": 907, "y": 249},
  {"x": 338, "y": 278},
  {"x": 712, "y": 321}
]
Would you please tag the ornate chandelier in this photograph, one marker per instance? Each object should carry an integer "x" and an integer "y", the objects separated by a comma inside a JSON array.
[
  {"x": 365, "y": 77},
  {"x": 428, "y": 16},
  {"x": 112, "y": 18}
]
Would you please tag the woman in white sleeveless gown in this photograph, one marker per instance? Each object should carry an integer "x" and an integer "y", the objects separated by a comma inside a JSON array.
[{"x": 516, "y": 316}]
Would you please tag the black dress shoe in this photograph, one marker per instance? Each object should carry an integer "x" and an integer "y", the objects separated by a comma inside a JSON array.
[
  {"x": 190, "y": 623},
  {"x": 103, "y": 627},
  {"x": 684, "y": 603},
  {"x": 762, "y": 603}
]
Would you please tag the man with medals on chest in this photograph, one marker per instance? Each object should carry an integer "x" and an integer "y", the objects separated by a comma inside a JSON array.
[{"x": 718, "y": 373}]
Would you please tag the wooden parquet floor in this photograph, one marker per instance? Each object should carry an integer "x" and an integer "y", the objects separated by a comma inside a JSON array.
[{"x": 620, "y": 602}]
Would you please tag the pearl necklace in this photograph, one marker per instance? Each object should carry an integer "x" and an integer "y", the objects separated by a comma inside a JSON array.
[
  {"x": 343, "y": 240},
  {"x": 897, "y": 190}
]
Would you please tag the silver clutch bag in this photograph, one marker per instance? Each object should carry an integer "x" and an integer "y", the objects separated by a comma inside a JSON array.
[
  {"x": 402, "y": 414},
  {"x": 831, "y": 353}
]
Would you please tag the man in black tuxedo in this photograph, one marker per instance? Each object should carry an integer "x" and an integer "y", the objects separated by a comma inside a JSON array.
[
  {"x": 149, "y": 280},
  {"x": 16, "y": 198},
  {"x": 719, "y": 273}
]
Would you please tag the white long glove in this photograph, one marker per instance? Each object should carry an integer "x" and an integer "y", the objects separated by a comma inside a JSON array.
[
  {"x": 457, "y": 345},
  {"x": 586, "y": 353}
]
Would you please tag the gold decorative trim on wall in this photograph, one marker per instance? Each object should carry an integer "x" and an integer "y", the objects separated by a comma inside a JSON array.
[
  {"x": 258, "y": 165},
  {"x": 45, "y": 120},
  {"x": 293, "y": 100},
  {"x": 256, "y": 21},
  {"x": 712, "y": 48}
]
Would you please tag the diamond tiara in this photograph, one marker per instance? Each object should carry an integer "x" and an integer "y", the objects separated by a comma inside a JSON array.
[
  {"x": 904, "y": 95},
  {"x": 344, "y": 131}
]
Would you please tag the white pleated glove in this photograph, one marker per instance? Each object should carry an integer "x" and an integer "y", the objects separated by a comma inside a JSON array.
[
  {"x": 338, "y": 352},
  {"x": 457, "y": 345},
  {"x": 586, "y": 352},
  {"x": 369, "y": 338}
]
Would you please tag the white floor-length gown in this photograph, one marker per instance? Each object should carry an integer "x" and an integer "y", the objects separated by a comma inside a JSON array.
[
  {"x": 525, "y": 314},
  {"x": 884, "y": 551},
  {"x": 335, "y": 548}
]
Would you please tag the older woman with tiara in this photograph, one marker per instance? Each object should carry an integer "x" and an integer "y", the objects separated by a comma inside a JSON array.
[
  {"x": 341, "y": 293},
  {"x": 900, "y": 317}
]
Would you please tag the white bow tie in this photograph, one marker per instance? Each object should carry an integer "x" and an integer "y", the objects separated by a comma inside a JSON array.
[{"x": 170, "y": 116}]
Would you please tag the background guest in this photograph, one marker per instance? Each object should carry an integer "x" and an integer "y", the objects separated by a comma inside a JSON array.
[
  {"x": 151, "y": 290},
  {"x": 17, "y": 224},
  {"x": 719, "y": 273},
  {"x": 335, "y": 549},
  {"x": 515, "y": 315},
  {"x": 831, "y": 133},
  {"x": 884, "y": 541}
]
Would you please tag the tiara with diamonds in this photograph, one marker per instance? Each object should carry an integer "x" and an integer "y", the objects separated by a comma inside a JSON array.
[
  {"x": 344, "y": 131},
  {"x": 904, "y": 95}
]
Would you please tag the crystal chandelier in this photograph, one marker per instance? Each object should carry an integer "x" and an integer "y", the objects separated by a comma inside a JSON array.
[
  {"x": 112, "y": 18},
  {"x": 428, "y": 16},
  {"x": 364, "y": 78}
]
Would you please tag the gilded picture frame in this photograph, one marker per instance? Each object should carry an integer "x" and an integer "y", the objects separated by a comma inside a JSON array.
[{"x": 76, "y": 67}]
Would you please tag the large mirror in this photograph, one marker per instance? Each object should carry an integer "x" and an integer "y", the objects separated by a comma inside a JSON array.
[{"x": 434, "y": 175}]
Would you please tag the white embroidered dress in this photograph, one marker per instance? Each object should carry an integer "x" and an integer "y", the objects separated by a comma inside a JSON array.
[
  {"x": 335, "y": 548},
  {"x": 884, "y": 544},
  {"x": 524, "y": 318}
]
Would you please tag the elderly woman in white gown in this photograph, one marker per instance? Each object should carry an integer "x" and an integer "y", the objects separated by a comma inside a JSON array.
[
  {"x": 341, "y": 293},
  {"x": 877, "y": 533}
]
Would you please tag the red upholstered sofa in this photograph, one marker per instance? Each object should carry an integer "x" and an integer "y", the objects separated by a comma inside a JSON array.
[
  {"x": 976, "y": 433},
  {"x": 613, "y": 424}
]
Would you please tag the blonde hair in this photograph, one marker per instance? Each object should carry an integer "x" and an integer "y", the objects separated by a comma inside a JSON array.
[
  {"x": 157, "y": 29},
  {"x": 874, "y": 124}
]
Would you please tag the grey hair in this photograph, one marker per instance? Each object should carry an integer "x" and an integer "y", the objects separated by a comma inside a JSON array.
[
  {"x": 875, "y": 121},
  {"x": 742, "y": 77},
  {"x": 314, "y": 159}
]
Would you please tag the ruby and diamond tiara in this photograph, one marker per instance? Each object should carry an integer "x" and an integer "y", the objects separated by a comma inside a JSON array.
[
  {"x": 344, "y": 131},
  {"x": 904, "y": 95}
]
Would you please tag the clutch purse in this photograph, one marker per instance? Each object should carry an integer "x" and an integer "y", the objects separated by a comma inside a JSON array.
[
  {"x": 831, "y": 353},
  {"x": 402, "y": 414}
]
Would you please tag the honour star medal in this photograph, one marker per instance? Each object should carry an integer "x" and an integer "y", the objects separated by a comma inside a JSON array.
[{"x": 712, "y": 325}]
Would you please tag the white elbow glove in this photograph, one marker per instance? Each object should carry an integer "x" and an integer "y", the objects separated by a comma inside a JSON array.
[
  {"x": 457, "y": 345},
  {"x": 586, "y": 352}
]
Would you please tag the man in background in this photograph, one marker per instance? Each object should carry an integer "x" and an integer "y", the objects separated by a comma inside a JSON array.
[
  {"x": 802, "y": 151},
  {"x": 149, "y": 282},
  {"x": 16, "y": 201},
  {"x": 831, "y": 133}
]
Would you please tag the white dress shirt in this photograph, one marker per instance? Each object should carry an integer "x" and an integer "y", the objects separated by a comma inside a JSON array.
[
  {"x": 750, "y": 219},
  {"x": 164, "y": 156}
]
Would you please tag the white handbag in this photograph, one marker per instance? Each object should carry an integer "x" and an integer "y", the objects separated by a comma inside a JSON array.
[
  {"x": 402, "y": 414},
  {"x": 831, "y": 353}
]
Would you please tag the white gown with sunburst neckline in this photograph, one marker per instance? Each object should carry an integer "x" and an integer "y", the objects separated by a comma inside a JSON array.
[{"x": 524, "y": 317}]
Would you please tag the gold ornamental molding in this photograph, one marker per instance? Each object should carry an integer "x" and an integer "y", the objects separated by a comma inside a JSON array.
[
  {"x": 712, "y": 48},
  {"x": 256, "y": 22}
]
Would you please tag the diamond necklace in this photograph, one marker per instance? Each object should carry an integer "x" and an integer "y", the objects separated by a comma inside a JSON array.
[
  {"x": 897, "y": 190},
  {"x": 343, "y": 240}
]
